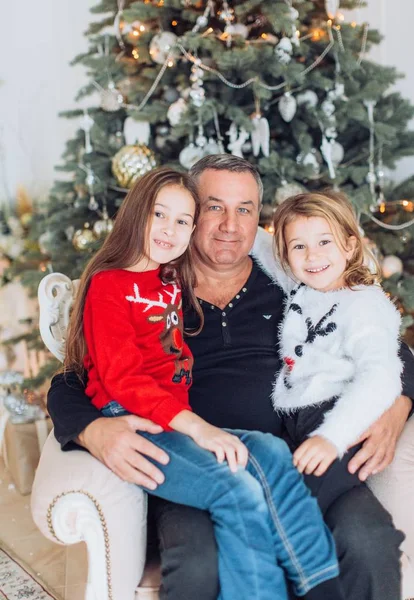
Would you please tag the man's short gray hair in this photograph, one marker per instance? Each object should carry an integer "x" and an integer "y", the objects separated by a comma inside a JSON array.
[{"x": 227, "y": 162}]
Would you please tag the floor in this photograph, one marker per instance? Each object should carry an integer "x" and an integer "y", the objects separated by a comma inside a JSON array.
[{"x": 62, "y": 568}]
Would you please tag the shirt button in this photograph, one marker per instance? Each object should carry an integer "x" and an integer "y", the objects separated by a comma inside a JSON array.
[
  {"x": 231, "y": 305},
  {"x": 238, "y": 296},
  {"x": 224, "y": 314},
  {"x": 212, "y": 307},
  {"x": 244, "y": 290},
  {"x": 224, "y": 324}
]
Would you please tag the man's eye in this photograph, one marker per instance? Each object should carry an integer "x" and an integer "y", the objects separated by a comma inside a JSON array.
[
  {"x": 244, "y": 211},
  {"x": 215, "y": 207}
]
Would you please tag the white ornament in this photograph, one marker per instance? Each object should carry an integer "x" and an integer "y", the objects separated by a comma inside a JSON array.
[
  {"x": 287, "y": 107},
  {"x": 337, "y": 152},
  {"x": 111, "y": 98},
  {"x": 326, "y": 149},
  {"x": 190, "y": 155},
  {"x": 212, "y": 147},
  {"x": 328, "y": 108},
  {"x": 237, "y": 29},
  {"x": 391, "y": 265},
  {"x": 136, "y": 132},
  {"x": 284, "y": 50},
  {"x": 331, "y": 7},
  {"x": 176, "y": 111},
  {"x": 260, "y": 135},
  {"x": 286, "y": 190},
  {"x": 86, "y": 124},
  {"x": 237, "y": 139},
  {"x": 308, "y": 98},
  {"x": 309, "y": 160},
  {"x": 161, "y": 45}
]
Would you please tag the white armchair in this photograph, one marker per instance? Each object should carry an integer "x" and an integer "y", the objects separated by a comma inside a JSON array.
[{"x": 76, "y": 498}]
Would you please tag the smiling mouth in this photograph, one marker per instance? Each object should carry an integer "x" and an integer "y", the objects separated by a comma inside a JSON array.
[
  {"x": 318, "y": 270},
  {"x": 161, "y": 244}
]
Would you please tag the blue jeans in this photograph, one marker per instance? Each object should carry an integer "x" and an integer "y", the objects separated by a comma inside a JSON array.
[{"x": 265, "y": 521}]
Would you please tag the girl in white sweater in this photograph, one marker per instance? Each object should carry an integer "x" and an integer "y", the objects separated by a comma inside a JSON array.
[{"x": 338, "y": 342}]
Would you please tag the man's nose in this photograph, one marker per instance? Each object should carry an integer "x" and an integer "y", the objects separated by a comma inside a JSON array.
[{"x": 229, "y": 222}]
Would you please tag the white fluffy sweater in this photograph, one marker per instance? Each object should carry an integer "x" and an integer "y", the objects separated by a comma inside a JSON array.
[{"x": 341, "y": 344}]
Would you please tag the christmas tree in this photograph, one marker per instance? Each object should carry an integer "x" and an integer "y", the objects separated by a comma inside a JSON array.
[{"x": 284, "y": 83}]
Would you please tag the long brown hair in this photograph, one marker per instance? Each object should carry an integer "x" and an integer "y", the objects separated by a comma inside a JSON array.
[
  {"x": 337, "y": 210},
  {"x": 125, "y": 246}
]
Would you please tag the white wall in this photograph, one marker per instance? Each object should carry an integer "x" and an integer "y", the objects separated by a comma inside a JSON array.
[{"x": 39, "y": 39}]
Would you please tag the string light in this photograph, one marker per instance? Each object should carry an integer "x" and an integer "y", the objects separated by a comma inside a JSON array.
[{"x": 135, "y": 54}]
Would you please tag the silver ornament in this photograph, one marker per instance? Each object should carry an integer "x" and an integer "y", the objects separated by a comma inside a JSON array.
[
  {"x": 260, "y": 135},
  {"x": 337, "y": 152},
  {"x": 308, "y": 98},
  {"x": 237, "y": 29},
  {"x": 284, "y": 50},
  {"x": 328, "y": 108},
  {"x": 391, "y": 265},
  {"x": 111, "y": 98},
  {"x": 171, "y": 95},
  {"x": 176, "y": 111},
  {"x": 212, "y": 147},
  {"x": 136, "y": 131},
  {"x": 201, "y": 140},
  {"x": 190, "y": 155},
  {"x": 197, "y": 96},
  {"x": 287, "y": 107},
  {"x": 202, "y": 21},
  {"x": 161, "y": 45},
  {"x": 286, "y": 190}
]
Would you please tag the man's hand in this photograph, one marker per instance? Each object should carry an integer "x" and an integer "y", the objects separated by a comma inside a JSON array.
[
  {"x": 315, "y": 455},
  {"x": 114, "y": 442},
  {"x": 380, "y": 440}
]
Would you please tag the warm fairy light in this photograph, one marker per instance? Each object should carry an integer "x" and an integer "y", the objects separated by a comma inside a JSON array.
[
  {"x": 170, "y": 63},
  {"x": 405, "y": 202},
  {"x": 317, "y": 34},
  {"x": 340, "y": 17},
  {"x": 269, "y": 228},
  {"x": 264, "y": 36},
  {"x": 382, "y": 207},
  {"x": 174, "y": 23},
  {"x": 353, "y": 24},
  {"x": 224, "y": 35},
  {"x": 135, "y": 54},
  {"x": 160, "y": 3},
  {"x": 135, "y": 33},
  {"x": 329, "y": 22},
  {"x": 337, "y": 27},
  {"x": 297, "y": 33}
]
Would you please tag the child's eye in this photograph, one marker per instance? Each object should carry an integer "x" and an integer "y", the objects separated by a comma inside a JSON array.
[
  {"x": 159, "y": 214},
  {"x": 324, "y": 242},
  {"x": 182, "y": 222},
  {"x": 299, "y": 247}
]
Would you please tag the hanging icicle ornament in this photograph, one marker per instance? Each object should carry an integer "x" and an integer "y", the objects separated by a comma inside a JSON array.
[
  {"x": 260, "y": 134},
  {"x": 176, "y": 111},
  {"x": 86, "y": 125},
  {"x": 371, "y": 176},
  {"x": 287, "y": 107},
  {"x": 237, "y": 139},
  {"x": 332, "y": 8},
  {"x": 162, "y": 45},
  {"x": 284, "y": 51},
  {"x": 111, "y": 98}
]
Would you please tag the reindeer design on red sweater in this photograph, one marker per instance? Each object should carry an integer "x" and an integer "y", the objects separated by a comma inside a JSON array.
[{"x": 171, "y": 336}]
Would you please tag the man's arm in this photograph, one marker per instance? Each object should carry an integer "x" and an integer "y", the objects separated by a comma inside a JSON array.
[
  {"x": 112, "y": 441},
  {"x": 380, "y": 440}
]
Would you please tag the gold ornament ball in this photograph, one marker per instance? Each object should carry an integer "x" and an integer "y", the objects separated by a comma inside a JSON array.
[
  {"x": 82, "y": 238},
  {"x": 132, "y": 162}
]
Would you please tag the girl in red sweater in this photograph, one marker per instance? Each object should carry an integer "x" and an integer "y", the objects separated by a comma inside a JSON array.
[{"x": 127, "y": 331}]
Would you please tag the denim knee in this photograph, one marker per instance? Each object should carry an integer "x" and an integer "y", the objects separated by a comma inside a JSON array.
[{"x": 265, "y": 443}]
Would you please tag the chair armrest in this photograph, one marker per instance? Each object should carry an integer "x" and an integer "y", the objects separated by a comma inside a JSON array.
[{"x": 76, "y": 498}]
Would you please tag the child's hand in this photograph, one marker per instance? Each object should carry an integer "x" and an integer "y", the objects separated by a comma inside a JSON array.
[
  {"x": 224, "y": 445},
  {"x": 315, "y": 455}
]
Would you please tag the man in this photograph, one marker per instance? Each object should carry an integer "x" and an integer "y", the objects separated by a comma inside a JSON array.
[{"x": 235, "y": 363}]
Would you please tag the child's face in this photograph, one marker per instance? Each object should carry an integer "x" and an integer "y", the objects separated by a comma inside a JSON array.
[
  {"x": 172, "y": 225},
  {"x": 315, "y": 258}
]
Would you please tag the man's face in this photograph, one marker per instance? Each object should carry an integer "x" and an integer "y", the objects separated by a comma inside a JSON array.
[{"x": 229, "y": 216}]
